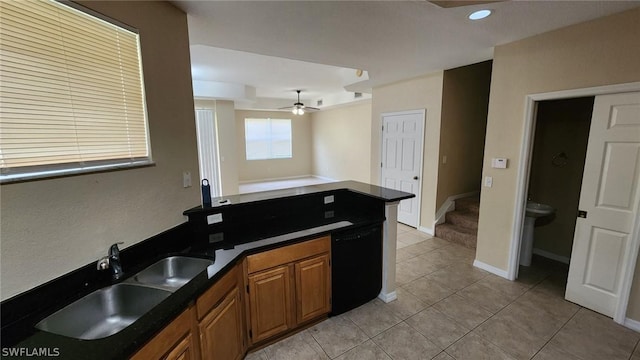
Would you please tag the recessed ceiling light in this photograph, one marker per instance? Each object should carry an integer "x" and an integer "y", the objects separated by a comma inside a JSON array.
[{"x": 480, "y": 14}]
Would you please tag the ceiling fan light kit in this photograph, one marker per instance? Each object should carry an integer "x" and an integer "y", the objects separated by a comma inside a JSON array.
[{"x": 298, "y": 108}]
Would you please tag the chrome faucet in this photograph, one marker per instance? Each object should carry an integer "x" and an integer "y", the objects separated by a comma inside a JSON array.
[{"x": 112, "y": 261}]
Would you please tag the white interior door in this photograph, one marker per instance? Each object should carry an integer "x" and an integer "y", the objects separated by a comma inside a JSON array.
[
  {"x": 609, "y": 197},
  {"x": 402, "y": 143}
]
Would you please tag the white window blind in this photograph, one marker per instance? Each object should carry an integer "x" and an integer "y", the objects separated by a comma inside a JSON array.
[
  {"x": 72, "y": 93},
  {"x": 267, "y": 138}
]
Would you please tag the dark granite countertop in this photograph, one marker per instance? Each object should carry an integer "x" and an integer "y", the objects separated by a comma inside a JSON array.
[
  {"x": 377, "y": 192},
  {"x": 125, "y": 343}
]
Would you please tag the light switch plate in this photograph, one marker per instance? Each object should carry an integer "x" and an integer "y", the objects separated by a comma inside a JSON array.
[
  {"x": 488, "y": 181},
  {"x": 186, "y": 179}
]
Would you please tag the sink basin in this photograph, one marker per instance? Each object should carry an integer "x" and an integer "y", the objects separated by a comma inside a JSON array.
[
  {"x": 103, "y": 312},
  {"x": 171, "y": 273},
  {"x": 535, "y": 209}
]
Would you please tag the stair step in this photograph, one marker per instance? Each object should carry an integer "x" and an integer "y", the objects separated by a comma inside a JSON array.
[
  {"x": 457, "y": 234},
  {"x": 470, "y": 204},
  {"x": 463, "y": 218}
]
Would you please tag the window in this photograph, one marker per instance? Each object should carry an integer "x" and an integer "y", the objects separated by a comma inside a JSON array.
[
  {"x": 72, "y": 93},
  {"x": 267, "y": 138}
]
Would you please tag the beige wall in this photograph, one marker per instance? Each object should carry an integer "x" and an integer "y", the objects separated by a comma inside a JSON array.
[
  {"x": 600, "y": 52},
  {"x": 561, "y": 127},
  {"x": 465, "y": 100},
  {"x": 227, "y": 149},
  {"x": 418, "y": 93},
  {"x": 298, "y": 165},
  {"x": 50, "y": 227},
  {"x": 342, "y": 142}
]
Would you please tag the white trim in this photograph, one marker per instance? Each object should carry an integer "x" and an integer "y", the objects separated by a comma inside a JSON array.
[
  {"x": 552, "y": 256},
  {"x": 389, "y": 248},
  {"x": 422, "y": 112},
  {"x": 450, "y": 205},
  {"x": 632, "y": 324},
  {"x": 522, "y": 182},
  {"x": 494, "y": 270},
  {"x": 388, "y": 297},
  {"x": 427, "y": 230}
]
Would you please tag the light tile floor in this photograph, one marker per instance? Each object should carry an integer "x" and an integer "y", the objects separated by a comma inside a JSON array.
[{"x": 447, "y": 309}]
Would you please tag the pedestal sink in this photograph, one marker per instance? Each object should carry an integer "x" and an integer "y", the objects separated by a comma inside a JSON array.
[{"x": 534, "y": 210}]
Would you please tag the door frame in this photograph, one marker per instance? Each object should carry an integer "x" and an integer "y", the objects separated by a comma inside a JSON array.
[
  {"x": 522, "y": 185},
  {"x": 423, "y": 113}
]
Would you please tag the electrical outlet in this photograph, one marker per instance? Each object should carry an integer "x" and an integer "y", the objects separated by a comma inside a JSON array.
[{"x": 214, "y": 219}]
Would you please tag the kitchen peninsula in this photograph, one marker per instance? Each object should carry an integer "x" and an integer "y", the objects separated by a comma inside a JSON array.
[{"x": 274, "y": 242}]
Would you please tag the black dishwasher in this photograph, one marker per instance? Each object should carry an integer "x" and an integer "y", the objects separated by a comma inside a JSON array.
[{"x": 356, "y": 267}]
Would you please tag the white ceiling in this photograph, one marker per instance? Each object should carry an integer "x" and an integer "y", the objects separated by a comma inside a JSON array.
[{"x": 267, "y": 49}]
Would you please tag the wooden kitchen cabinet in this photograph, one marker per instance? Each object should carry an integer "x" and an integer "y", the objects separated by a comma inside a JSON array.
[
  {"x": 221, "y": 330},
  {"x": 221, "y": 319},
  {"x": 175, "y": 341},
  {"x": 313, "y": 283},
  {"x": 287, "y": 287},
  {"x": 270, "y": 302}
]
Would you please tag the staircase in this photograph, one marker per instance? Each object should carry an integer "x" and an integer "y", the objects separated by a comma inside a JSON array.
[{"x": 461, "y": 225}]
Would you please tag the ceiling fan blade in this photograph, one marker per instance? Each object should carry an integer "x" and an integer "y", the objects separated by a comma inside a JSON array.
[{"x": 456, "y": 3}]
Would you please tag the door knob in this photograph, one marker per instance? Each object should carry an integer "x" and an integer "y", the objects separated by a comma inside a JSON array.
[{"x": 415, "y": 178}]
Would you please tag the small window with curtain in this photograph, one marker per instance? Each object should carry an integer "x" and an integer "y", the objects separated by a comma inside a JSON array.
[
  {"x": 72, "y": 93},
  {"x": 267, "y": 138}
]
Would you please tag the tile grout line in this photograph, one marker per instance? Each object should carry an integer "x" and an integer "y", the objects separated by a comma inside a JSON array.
[{"x": 556, "y": 333}]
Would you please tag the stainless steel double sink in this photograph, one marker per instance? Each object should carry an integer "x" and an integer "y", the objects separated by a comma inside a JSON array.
[{"x": 107, "y": 311}]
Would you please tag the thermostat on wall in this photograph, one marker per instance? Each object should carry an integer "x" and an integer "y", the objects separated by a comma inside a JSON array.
[{"x": 499, "y": 163}]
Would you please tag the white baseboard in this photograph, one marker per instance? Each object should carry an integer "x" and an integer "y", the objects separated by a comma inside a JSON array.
[
  {"x": 388, "y": 297},
  {"x": 286, "y": 178},
  {"x": 427, "y": 230},
  {"x": 324, "y": 178},
  {"x": 552, "y": 256},
  {"x": 492, "y": 269},
  {"x": 450, "y": 205},
  {"x": 632, "y": 324}
]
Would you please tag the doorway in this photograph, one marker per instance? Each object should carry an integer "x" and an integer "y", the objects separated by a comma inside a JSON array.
[
  {"x": 402, "y": 149},
  {"x": 595, "y": 261},
  {"x": 557, "y": 165}
]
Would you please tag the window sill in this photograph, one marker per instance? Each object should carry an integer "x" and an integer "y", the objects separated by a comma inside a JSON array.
[{"x": 54, "y": 174}]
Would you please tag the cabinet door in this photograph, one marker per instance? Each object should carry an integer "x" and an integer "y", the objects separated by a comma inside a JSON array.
[
  {"x": 313, "y": 288},
  {"x": 221, "y": 329},
  {"x": 182, "y": 351},
  {"x": 270, "y": 302}
]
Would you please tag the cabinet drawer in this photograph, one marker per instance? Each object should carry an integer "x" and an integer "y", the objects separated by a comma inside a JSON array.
[
  {"x": 288, "y": 254},
  {"x": 171, "y": 336},
  {"x": 216, "y": 293}
]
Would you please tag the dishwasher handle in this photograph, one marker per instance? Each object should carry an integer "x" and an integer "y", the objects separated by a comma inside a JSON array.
[{"x": 356, "y": 236}]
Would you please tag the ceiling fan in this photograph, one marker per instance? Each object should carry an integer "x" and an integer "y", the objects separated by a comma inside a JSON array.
[{"x": 298, "y": 108}]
